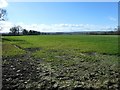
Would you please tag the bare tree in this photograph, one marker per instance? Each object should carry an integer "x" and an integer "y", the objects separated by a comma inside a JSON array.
[
  {"x": 16, "y": 30},
  {"x": 3, "y": 16},
  {"x": 13, "y": 30},
  {"x": 19, "y": 29}
]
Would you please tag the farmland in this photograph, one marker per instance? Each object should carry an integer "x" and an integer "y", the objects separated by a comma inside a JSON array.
[{"x": 60, "y": 62}]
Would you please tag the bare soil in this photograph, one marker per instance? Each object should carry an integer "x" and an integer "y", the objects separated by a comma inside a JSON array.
[{"x": 27, "y": 73}]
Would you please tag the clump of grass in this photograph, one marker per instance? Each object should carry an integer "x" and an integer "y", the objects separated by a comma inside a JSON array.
[{"x": 9, "y": 50}]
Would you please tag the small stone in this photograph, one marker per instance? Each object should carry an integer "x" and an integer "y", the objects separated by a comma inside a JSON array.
[
  {"x": 106, "y": 82},
  {"x": 8, "y": 79},
  {"x": 63, "y": 88},
  {"x": 17, "y": 74},
  {"x": 18, "y": 70},
  {"x": 25, "y": 82},
  {"x": 28, "y": 80},
  {"x": 38, "y": 68},
  {"x": 21, "y": 80},
  {"x": 82, "y": 83},
  {"x": 55, "y": 85},
  {"x": 13, "y": 68},
  {"x": 92, "y": 75}
]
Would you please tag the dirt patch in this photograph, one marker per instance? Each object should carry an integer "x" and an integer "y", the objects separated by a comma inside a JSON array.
[
  {"x": 28, "y": 49},
  {"x": 28, "y": 73},
  {"x": 32, "y": 49},
  {"x": 90, "y": 53},
  {"x": 31, "y": 74},
  {"x": 18, "y": 47}
]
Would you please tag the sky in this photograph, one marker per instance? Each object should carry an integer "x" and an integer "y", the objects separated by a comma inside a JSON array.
[{"x": 61, "y": 16}]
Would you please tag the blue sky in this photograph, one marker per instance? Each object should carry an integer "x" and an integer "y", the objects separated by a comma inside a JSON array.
[{"x": 63, "y": 16}]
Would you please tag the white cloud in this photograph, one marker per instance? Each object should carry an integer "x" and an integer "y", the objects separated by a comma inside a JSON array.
[
  {"x": 112, "y": 18},
  {"x": 57, "y": 27},
  {"x": 6, "y": 25},
  {"x": 3, "y": 3}
]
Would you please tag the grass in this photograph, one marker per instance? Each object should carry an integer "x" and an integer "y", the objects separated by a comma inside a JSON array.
[
  {"x": 52, "y": 48},
  {"x": 85, "y": 43},
  {"x": 11, "y": 51}
]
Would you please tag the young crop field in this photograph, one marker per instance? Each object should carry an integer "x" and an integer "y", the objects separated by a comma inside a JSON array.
[{"x": 60, "y": 62}]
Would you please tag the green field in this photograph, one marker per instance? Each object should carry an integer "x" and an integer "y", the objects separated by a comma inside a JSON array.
[
  {"x": 80, "y": 43},
  {"x": 71, "y": 61}
]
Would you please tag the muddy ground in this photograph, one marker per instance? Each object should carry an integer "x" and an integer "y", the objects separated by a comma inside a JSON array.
[{"x": 27, "y": 73}]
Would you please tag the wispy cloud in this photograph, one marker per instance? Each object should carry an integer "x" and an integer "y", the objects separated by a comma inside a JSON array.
[
  {"x": 3, "y": 3},
  {"x": 57, "y": 27},
  {"x": 112, "y": 18}
]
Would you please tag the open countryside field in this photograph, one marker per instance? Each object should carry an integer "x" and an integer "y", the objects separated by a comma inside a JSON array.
[{"x": 60, "y": 62}]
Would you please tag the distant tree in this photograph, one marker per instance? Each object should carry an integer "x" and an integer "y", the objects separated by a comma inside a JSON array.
[
  {"x": 13, "y": 30},
  {"x": 30, "y": 32},
  {"x": 19, "y": 29},
  {"x": 16, "y": 30},
  {"x": 25, "y": 32}
]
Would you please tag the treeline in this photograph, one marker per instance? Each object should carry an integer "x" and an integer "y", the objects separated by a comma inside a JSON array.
[
  {"x": 17, "y": 30},
  {"x": 25, "y": 32},
  {"x": 104, "y": 33}
]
